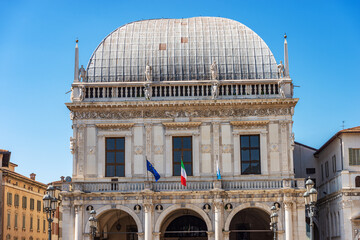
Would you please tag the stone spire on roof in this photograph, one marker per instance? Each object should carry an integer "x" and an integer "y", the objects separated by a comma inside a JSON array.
[
  {"x": 286, "y": 57},
  {"x": 76, "y": 72}
]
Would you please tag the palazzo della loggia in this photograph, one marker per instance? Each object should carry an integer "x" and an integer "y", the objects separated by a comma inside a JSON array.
[{"x": 205, "y": 91}]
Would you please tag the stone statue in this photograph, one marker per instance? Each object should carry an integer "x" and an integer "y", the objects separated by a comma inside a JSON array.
[
  {"x": 281, "y": 70},
  {"x": 281, "y": 88},
  {"x": 215, "y": 90},
  {"x": 82, "y": 74},
  {"x": 148, "y": 72},
  {"x": 147, "y": 91},
  {"x": 72, "y": 145},
  {"x": 292, "y": 139},
  {"x": 72, "y": 94},
  {"x": 81, "y": 93},
  {"x": 214, "y": 71}
]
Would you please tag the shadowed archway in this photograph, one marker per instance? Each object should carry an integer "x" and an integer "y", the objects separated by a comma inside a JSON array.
[{"x": 250, "y": 224}]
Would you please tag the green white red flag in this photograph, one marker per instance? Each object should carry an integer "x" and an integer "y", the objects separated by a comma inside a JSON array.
[{"x": 183, "y": 174}]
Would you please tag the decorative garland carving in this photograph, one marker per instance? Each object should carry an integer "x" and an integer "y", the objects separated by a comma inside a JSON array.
[
  {"x": 138, "y": 150},
  {"x": 226, "y": 148},
  {"x": 159, "y": 149},
  {"x": 248, "y": 123},
  {"x": 159, "y": 113},
  {"x": 206, "y": 148}
]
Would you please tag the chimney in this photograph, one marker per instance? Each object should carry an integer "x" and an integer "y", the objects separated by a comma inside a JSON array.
[
  {"x": 32, "y": 176},
  {"x": 62, "y": 178}
]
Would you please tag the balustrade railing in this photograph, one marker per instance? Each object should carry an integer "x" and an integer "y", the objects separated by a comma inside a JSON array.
[
  {"x": 176, "y": 90},
  {"x": 165, "y": 186}
]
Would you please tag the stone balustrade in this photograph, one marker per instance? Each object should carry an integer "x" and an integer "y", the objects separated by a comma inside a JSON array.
[
  {"x": 190, "y": 90},
  {"x": 165, "y": 186}
]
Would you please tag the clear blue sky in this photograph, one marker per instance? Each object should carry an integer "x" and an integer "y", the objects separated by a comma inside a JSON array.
[{"x": 37, "y": 40}]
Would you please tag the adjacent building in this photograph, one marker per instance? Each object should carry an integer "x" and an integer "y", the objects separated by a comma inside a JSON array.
[
  {"x": 22, "y": 215},
  {"x": 202, "y": 94},
  {"x": 338, "y": 184}
]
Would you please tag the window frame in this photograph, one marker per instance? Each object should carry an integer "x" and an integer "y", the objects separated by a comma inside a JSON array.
[
  {"x": 115, "y": 151},
  {"x": 250, "y": 148},
  {"x": 9, "y": 199},
  {"x": 334, "y": 163},
  {"x": 354, "y": 156},
  {"x": 32, "y": 204},
  {"x": 182, "y": 150},
  {"x": 24, "y": 202},
  {"x": 327, "y": 169}
]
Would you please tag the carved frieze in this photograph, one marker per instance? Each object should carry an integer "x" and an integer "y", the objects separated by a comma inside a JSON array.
[{"x": 166, "y": 113}]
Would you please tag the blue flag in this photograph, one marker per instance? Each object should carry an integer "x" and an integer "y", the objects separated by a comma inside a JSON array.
[
  {"x": 151, "y": 169},
  {"x": 218, "y": 171}
]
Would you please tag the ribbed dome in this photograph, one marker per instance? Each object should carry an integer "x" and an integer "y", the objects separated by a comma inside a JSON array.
[{"x": 181, "y": 49}]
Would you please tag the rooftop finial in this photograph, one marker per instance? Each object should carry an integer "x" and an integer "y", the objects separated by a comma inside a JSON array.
[
  {"x": 76, "y": 71},
  {"x": 286, "y": 58}
]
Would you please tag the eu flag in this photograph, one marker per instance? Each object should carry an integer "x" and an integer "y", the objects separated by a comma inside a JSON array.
[{"x": 151, "y": 169}]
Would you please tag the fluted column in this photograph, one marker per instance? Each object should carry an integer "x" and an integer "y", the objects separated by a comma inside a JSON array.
[
  {"x": 288, "y": 221},
  {"x": 218, "y": 206},
  {"x": 148, "y": 223}
]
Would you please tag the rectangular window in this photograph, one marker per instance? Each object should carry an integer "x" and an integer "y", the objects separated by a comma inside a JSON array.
[
  {"x": 38, "y": 205},
  {"x": 32, "y": 203},
  {"x": 115, "y": 157},
  {"x": 327, "y": 169},
  {"x": 16, "y": 200},
  {"x": 16, "y": 221},
  {"x": 23, "y": 222},
  {"x": 9, "y": 199},
  {"x": 322, "y": 172},
  {"x": 31, "y": 223},
  {"x": 8, "y": 220},
  {"x": 354, "y": 156},
  {"x": 24, "y": 202},
  {"x": 310, "y": 170},
  {"x": 38, "y": 225},
  {"x": 182, "y": 149},
  {"x": 44, "y": 225},
  {"x": 334, "y": 163},
  {"x": 250, "y": 154}
]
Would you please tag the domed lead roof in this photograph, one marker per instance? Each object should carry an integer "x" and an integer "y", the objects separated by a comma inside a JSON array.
[{"x": 181, "y": 49}]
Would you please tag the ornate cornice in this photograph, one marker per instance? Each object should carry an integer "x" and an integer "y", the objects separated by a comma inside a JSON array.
[
  {"x": 182, "y": 103},
  {"x": 248, "y": 123},
  {"x": 172, "y": 125},
  {"x": 115, "y": 125}
]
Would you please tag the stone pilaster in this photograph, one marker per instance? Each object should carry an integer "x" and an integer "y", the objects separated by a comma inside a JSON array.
[
  {"x": 148, "y": 209},
  {"x": 218, "y": 207},
  {"x": 288, "y": 220}
]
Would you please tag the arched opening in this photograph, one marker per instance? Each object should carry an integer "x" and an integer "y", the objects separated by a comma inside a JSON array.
[
  {"x": 116, "y": 225},
  {"x": 250, "y": 224},
  {"x": 184, "y": 224}
]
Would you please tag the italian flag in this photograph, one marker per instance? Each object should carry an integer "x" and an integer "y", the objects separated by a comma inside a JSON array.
[{"x": 183, "y": 174}]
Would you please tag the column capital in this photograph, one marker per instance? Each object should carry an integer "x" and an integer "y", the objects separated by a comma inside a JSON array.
[
  {"x": 288, "y": 205},
  {"x": 148, "y": 207}
]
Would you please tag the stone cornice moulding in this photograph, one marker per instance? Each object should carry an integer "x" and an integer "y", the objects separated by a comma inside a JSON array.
[
  {"x": 182, "y": 103},
  {"x": 172, "y": 125},
  {"x": 115, "y": 125},
  {"x": 249, "y": 123}
]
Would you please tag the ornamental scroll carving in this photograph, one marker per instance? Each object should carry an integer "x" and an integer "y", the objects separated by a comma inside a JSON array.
[{"x": 159, "y": 113}]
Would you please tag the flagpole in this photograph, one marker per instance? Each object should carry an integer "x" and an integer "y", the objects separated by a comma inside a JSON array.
[{"x": 147, "y": 174}]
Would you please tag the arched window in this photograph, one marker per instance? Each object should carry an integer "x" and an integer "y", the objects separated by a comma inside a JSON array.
[{"x": 357, "y": 181}]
